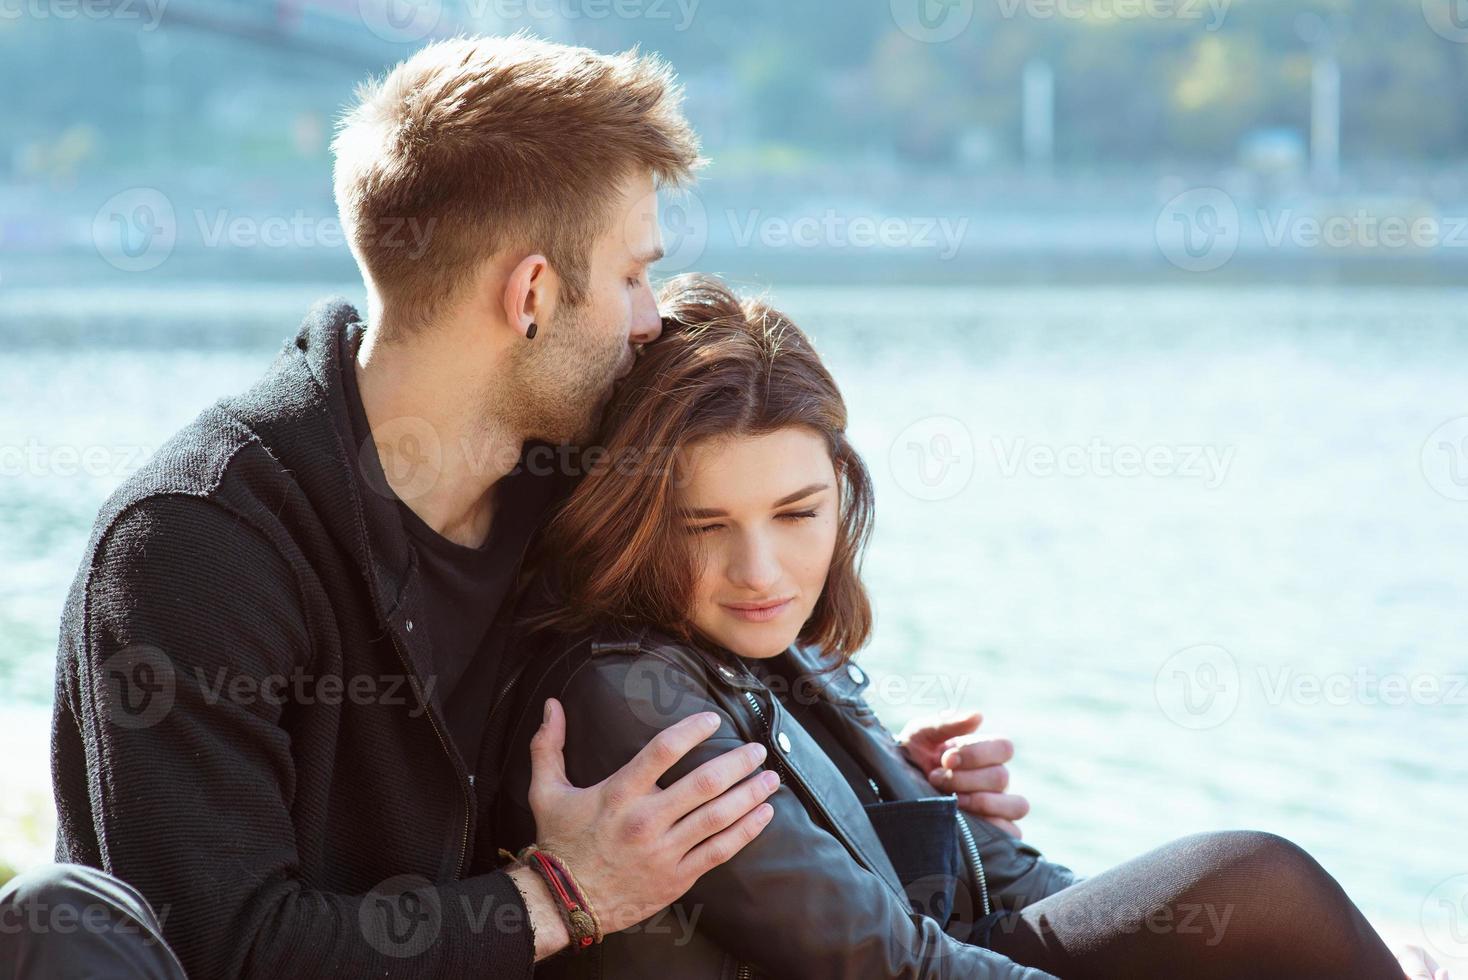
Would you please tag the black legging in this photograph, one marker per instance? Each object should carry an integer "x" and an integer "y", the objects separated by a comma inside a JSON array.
[{"x": 1234, "y": 905}]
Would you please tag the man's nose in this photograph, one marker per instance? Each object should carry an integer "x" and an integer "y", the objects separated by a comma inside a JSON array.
[{"x": 647, "y": 323}]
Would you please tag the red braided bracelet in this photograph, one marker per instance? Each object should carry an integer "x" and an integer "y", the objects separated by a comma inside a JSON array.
[{"x": 581, "y": 921}]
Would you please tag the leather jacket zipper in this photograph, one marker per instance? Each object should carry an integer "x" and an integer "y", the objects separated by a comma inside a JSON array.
[{"x": 976, "y": 864}]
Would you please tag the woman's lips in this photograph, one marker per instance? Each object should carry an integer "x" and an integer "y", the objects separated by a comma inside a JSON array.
[{"x": 757, "y": 613}]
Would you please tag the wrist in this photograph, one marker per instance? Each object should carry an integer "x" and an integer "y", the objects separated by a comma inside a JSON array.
[{"x": 547, "y": 924}]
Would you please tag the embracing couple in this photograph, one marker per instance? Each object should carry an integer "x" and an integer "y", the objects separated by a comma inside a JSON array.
[{"x": 511, "y": 630}]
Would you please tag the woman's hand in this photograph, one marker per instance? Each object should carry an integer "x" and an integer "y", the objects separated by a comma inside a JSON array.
[
  {"x": 1418, "y": 964},
  {"x": 971, "y": 766}
]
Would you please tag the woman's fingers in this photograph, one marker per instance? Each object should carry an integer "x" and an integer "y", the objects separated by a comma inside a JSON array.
[
  {"x": 976, "y": 753},
  {"x": 1005, "y": 806},
  {"x": 991, "y": 779},
  {"x": 1012, "y": 829}
]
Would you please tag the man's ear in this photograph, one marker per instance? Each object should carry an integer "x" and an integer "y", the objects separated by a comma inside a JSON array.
[{"x": 529, "y": 295}]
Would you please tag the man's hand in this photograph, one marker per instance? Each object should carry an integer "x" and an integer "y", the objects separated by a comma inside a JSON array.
[
  {"x": 971, "y": 766},
  {"x": 633, "y": 846}
]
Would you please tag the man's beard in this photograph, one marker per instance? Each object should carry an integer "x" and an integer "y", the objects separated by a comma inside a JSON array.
[{"x": 562, "y": 380}]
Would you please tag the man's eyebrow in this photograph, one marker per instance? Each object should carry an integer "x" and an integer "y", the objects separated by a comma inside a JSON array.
[
  {"x": 790, "y": 498},
  {"x": 649, "y": 258}
]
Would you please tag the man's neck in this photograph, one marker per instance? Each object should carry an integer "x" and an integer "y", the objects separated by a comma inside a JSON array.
[{"x": 442, "y": 447}]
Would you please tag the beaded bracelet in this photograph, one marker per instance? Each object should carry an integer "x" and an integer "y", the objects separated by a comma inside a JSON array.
[{"x": 581, "y": 921}]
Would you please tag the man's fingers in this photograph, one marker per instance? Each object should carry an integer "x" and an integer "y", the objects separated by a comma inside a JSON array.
[
  {"x": 719, "y": 814},
  {"x": 547, "y": 761},
  {"x": 991, "y": 779},
  {"x": 710, "y": 779},
  {"x": 724, "y": 845},
  {"x": 977, "y": 753},
  {"x": 641, "y": 775},
  {"x": 1006, "y": 806},
  {"x": 942, "y": 731}
]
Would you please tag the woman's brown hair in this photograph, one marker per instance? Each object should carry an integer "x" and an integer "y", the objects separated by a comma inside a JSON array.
[{"x": 723, "y": 366}]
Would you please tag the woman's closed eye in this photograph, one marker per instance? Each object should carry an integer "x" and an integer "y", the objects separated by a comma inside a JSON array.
[{"x": 789, "y": 517}]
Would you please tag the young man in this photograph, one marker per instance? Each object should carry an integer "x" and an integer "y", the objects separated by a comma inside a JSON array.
[{"x": 275, "y": 735}]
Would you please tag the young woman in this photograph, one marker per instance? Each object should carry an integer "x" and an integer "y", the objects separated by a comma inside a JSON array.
[{"x": 708, "y": 562}]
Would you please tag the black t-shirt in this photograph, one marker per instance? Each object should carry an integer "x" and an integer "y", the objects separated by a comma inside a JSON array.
[
  {"x": 785, "y": 680},
  {"x": 464, "y": 587}
]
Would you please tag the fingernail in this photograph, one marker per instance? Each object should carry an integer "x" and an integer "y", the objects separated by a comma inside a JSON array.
[
  {"x": 770, "y": 780},
  {"x": 545, "y": 714},
  {"x": 708, "y": 720},
  {"x": 935, "y": 775},
  {"x": 764, "y": 812},
  {"x": 756, "y": 751}
]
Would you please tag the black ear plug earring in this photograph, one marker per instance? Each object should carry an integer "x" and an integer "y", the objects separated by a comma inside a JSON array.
[{"x": 530, "y": 331}]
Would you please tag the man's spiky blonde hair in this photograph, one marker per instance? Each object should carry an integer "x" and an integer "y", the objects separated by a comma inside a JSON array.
[{"x": 476, "y": 144}]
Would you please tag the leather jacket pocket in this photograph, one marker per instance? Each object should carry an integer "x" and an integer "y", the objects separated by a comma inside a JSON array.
[{"x": 921, "y": 838}]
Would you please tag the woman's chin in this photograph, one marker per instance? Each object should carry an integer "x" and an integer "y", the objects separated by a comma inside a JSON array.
[{"x": 760, "y": 642}]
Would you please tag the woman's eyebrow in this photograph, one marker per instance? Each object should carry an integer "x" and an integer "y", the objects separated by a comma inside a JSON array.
[{"x": 801, "y": 494}]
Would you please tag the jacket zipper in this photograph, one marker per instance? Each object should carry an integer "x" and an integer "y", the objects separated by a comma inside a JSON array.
[
  {"x": 463, "y": 786},
  {"x": 976, "y": 864}
]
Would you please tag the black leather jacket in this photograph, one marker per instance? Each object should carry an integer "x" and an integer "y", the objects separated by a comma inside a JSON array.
[{"x": 815, "y": 895}]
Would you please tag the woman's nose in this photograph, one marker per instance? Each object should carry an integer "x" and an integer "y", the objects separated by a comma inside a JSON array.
[{"x": 754, "y": 565}]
